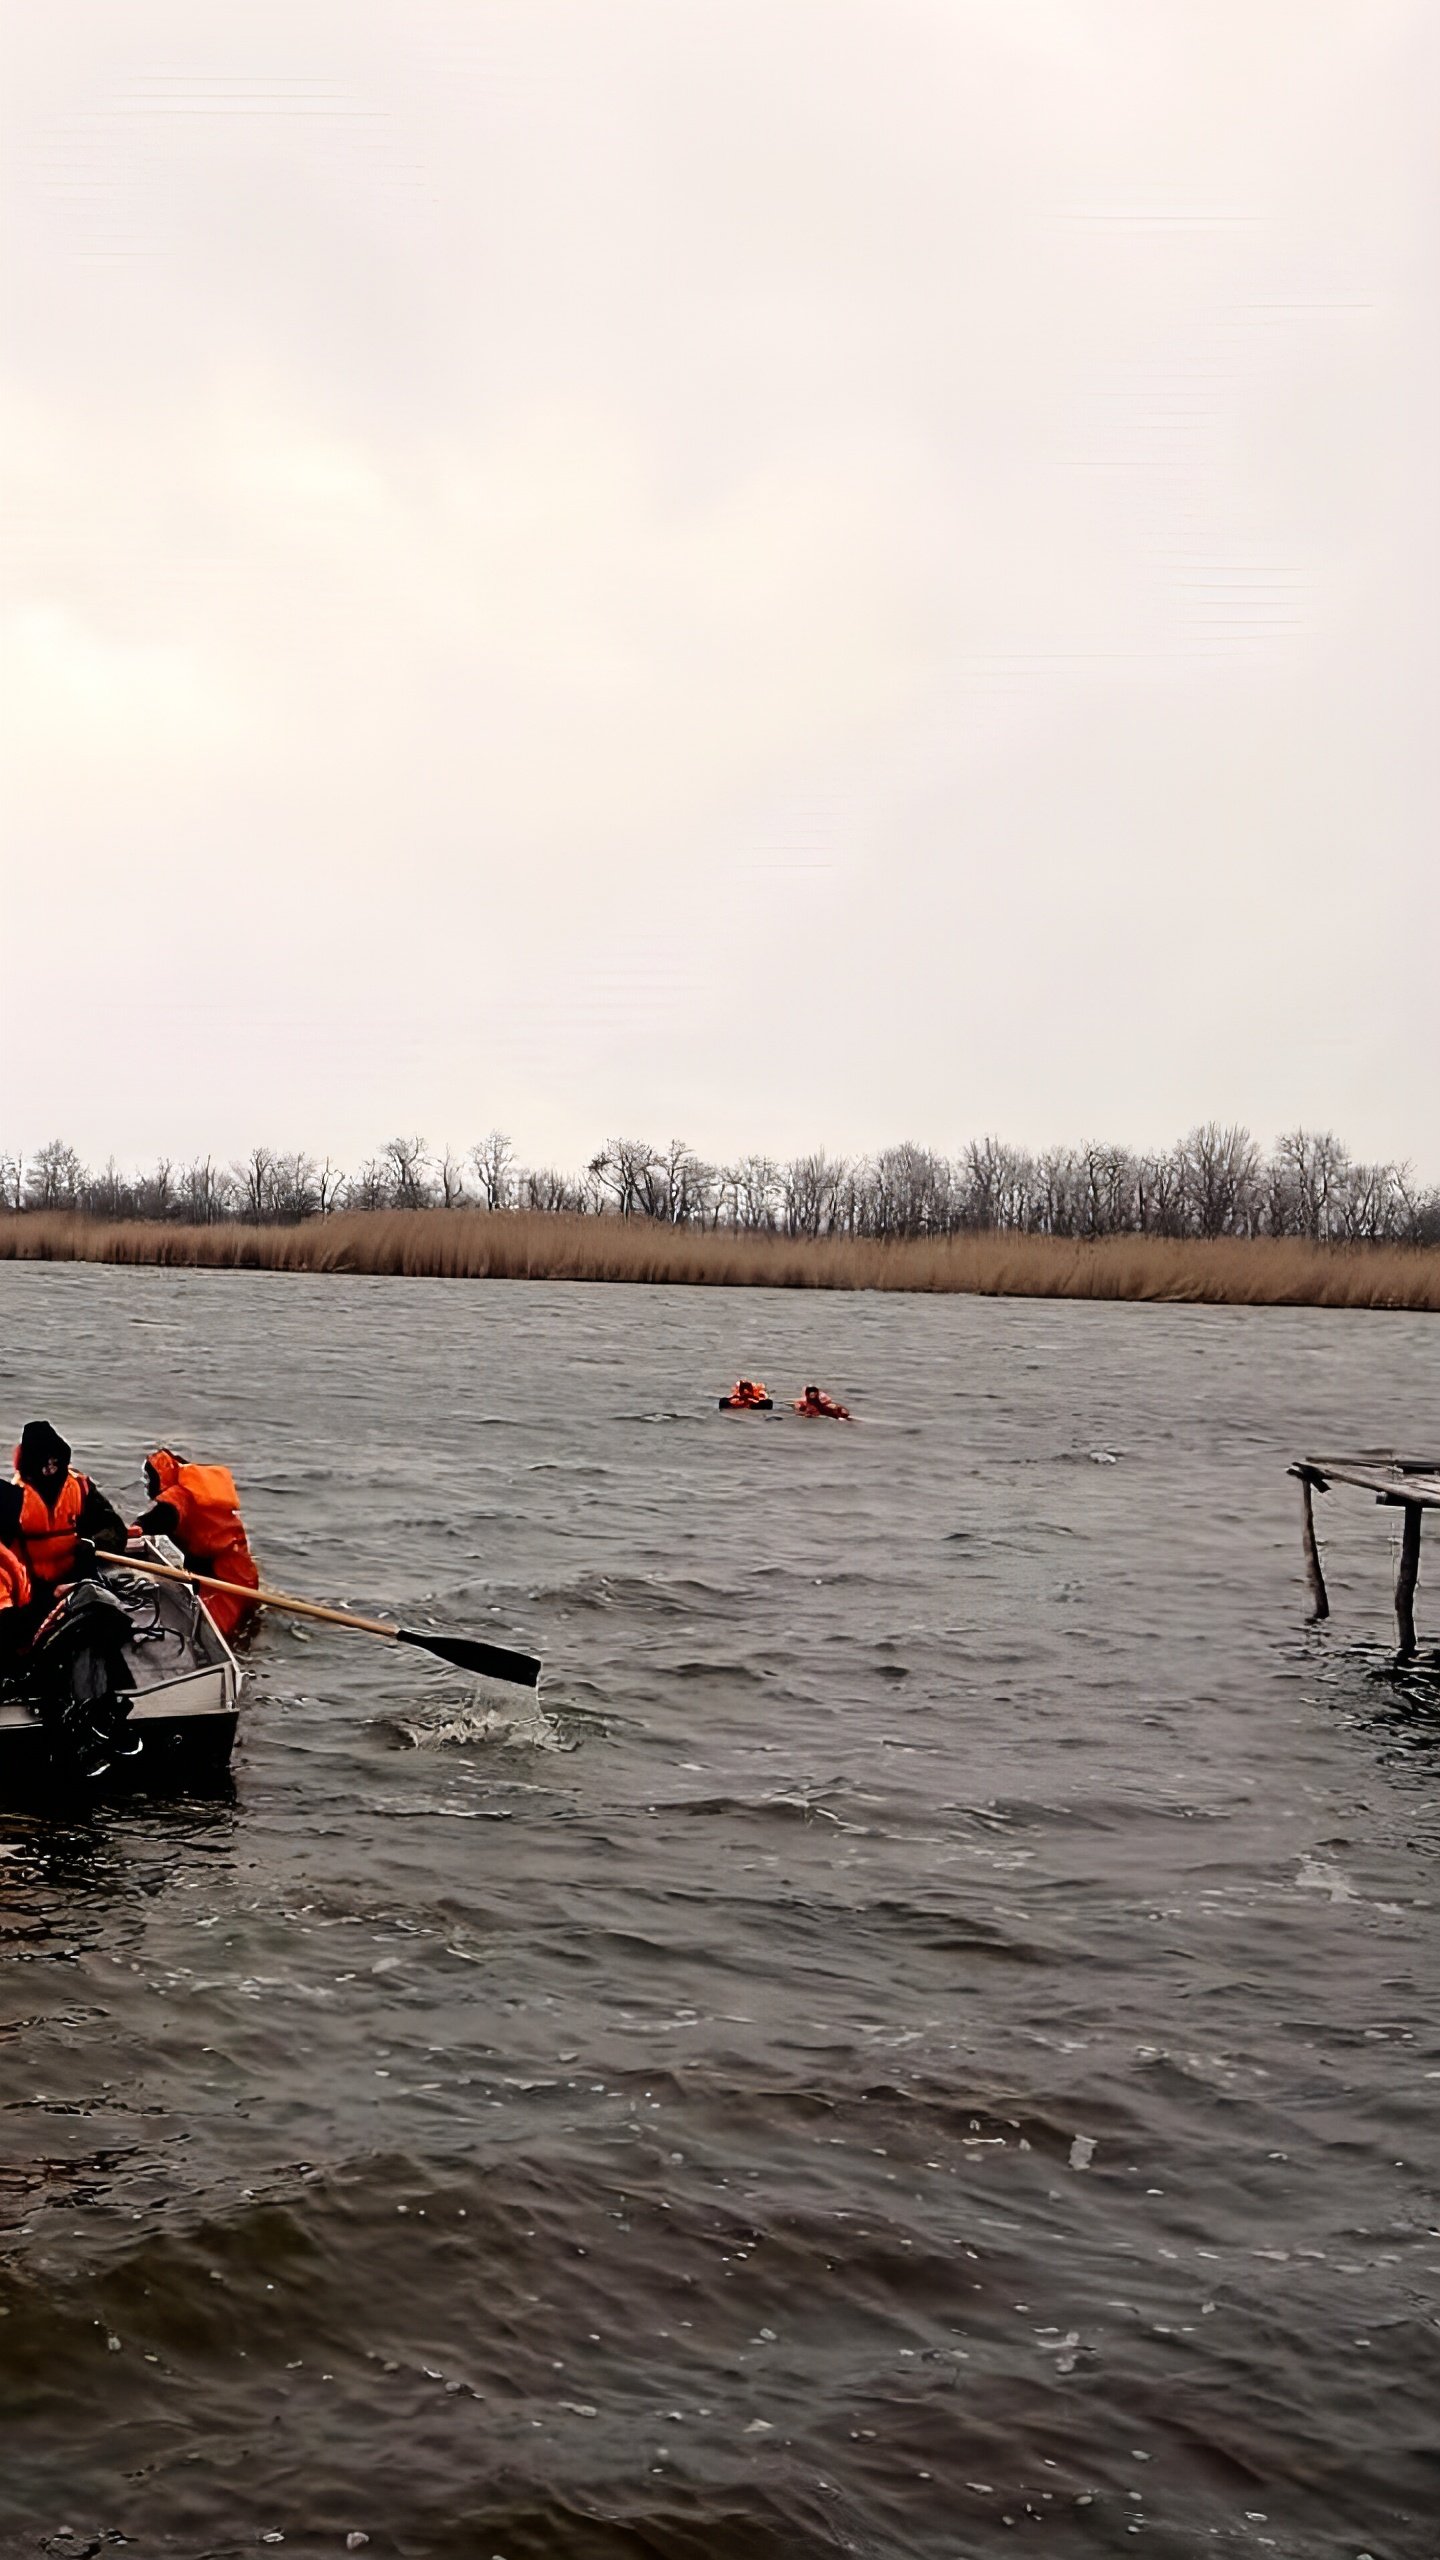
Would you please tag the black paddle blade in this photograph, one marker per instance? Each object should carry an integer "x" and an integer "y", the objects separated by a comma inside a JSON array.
[{"x": 495, "y": 1661}]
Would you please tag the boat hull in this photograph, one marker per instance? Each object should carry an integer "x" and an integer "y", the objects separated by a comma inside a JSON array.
[
  {"x": 183, "y": 1708},
  {"x": 178, "y": 1754}
]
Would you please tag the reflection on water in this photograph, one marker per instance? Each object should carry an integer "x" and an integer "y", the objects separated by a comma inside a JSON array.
[{"x": 925, "y": 2029}]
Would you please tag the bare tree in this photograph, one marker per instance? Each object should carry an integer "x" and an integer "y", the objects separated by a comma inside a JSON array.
[
  {"x": 1374, "y": 1203},
  {"x": 686, "y": 1185},
  {"x": 1422, "y": 1224},
  {"x": 205, "y": 1192},
  {"x": 627, "y": 1170},
  {"x": 370, "y": 1187},
  {"x": 544, "y": 1188},
  {"x": 1056, "y": 1202},
  {"x": 1107, "y": 1183},
  {"x": 157, "y": 1195},
  {"x": 55, "y": 1176},
  {"x": 809, "y": 1185},
  {"x": 453, "y": 1194},
  {"x": 1159, "y": 1197},
  {"x": 255, "y": 1185},
  {"x": 996, "y": 1185},
  {"x": 295, "y": 1189},
  {"x": 761, "y": 1189},
  {"x": 408, "y": 1160},
  {"x": 1307, "y": 1173},
  {"x": 852, "y": 1200},
  {"x": 907, "y": 1191},
  {"x": 1219, "y": 1171},
  {"x": 494, "y": 1162},
  {"x": 107, "y": 1194}
]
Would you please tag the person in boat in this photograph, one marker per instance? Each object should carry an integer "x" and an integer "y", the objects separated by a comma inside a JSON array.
[
  {"x": 747, "y": 1394},
  {"x": 814, "y": 1401},
  {"x": 16, "y": 1613},
  {"x": 199, "y": 1508},
  {"x": 63, "y": 1516}
]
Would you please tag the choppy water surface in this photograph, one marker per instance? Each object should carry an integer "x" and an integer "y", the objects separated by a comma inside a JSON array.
[{"x": 930, "y": 2034}]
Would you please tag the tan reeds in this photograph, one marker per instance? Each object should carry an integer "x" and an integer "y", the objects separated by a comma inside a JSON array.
[{"x": 531, "y": 1245}]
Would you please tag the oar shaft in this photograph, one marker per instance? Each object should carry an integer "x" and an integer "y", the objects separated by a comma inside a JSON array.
[
  {"x": 465, "y": 1653},
  {"x": 253, "y": 1593}
]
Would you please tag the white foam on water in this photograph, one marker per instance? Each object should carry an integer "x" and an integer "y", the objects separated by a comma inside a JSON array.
[
  {"x": 1082, "y": 2151},
  {"x": 473, "y": 1719},
  {"x": 1313, "y": 1877},
  {"x": 1064, "y": 2349}
]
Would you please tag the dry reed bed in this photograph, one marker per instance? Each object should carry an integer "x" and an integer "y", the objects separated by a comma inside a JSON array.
[{"x": 529, "y": 1245}]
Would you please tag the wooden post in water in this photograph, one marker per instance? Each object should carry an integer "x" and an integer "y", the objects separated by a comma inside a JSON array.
[
  {"x": 1406, "y": 1579},
  {"x": 1319, "y": 1596}
]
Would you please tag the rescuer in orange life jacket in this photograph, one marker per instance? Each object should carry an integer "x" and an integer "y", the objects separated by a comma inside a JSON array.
[
  {"x": 815, "y": 1401},
  {"x": 61, "y": 1514},
  {"x": 200, "y": 1509},
  {"x": 15, "y": 1609}
]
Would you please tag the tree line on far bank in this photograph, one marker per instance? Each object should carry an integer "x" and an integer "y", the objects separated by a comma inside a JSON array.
[{"x": 1216, "y": 1181}]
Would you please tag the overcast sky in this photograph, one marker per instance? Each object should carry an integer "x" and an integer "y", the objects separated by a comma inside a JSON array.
[{"x": 782, "y": 572}]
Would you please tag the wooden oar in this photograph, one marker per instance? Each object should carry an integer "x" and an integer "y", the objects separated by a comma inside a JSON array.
[{"x": 496, "y": 1661}]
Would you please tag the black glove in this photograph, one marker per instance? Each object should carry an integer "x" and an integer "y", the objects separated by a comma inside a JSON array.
[{"x": 87, "y": 1560}]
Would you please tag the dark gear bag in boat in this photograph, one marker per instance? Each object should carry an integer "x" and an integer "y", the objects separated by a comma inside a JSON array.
[{"x": 81, "y": 1683}]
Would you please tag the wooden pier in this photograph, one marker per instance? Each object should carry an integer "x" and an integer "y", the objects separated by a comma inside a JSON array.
[{"x": 1411, "y": 1485}]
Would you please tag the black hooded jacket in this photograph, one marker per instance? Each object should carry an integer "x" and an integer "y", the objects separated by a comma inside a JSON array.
[{"x": 99, "y": 1520}]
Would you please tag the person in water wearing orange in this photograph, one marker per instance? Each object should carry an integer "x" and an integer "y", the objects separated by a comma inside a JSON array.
[
  {"x": 60, "y": 1513},
  {"x": 200, "y": 1509},
  {"x": 813, "y": 1401},
  {"x": 15, "y": 1610},
  {"x": 747, "y": 1395}
]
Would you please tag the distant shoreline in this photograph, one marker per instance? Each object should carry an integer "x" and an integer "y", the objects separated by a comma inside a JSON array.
[{"x": 483, "y": 1244}]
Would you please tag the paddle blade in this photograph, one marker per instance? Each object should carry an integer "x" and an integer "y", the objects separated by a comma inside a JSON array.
[{"x": 493, "y": 1661}]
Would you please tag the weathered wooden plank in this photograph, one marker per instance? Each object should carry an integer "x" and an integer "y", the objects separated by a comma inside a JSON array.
[
  {"x": 1387, "y": 1483},
  {"x": 1411, "y": 1485},
  {"x": 1319, "y": 1596},
  {"x": 1406, "y": 1579},
  {"x": 1378, "y": 1458}
]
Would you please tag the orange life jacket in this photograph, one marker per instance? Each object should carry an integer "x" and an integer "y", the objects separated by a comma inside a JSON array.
[
  {"x": 207, "y": 1510},
  {"x": 14, "y": 1580},
  {"x": 49, "y": 1531},
  {"x": 209, "y": 1530}
]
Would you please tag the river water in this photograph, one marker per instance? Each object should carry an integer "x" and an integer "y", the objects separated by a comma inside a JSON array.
[{"x": 927, "y": 2033}]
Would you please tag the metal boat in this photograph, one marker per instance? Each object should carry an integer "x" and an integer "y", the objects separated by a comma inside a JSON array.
[{"x": 183, "y": 1691}]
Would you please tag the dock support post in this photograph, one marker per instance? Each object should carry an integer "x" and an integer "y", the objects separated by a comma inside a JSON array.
[
  {"x": 1319, "y": 1596},
  {"x": 1406, "y": 1579}
]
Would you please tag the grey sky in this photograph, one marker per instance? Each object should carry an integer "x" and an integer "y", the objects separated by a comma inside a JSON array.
[{"x": 783, "y": 572}]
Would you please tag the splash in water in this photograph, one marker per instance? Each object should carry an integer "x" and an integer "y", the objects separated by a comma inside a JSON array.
[{"x": 467, "y": 1718}]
